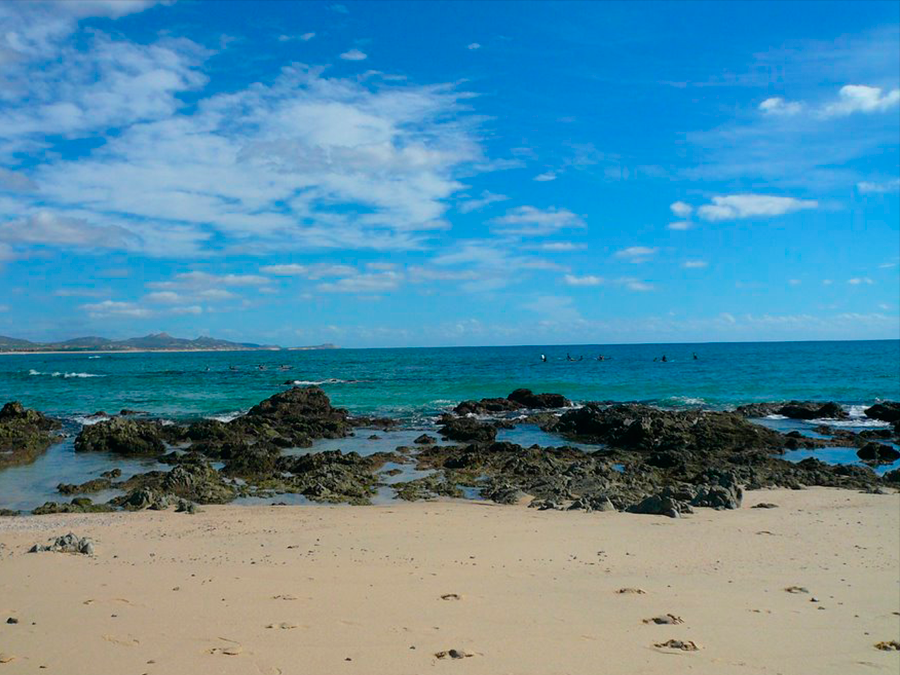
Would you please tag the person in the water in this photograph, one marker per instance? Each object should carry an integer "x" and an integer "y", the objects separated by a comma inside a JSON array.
[
  {"x": 569, "y": 357},
  {"x": 696, "y": 358},
  {"x": 664, "y": 359},
  {"x": 543, "y": 358}
]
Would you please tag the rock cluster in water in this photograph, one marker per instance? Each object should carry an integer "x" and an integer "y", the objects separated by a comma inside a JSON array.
[
  {"x": 654, "y": 461},
  {"x": 24, "y": 434}
]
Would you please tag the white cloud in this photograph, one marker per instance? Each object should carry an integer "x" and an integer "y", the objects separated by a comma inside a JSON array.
[
  {"x": 354, "y": 55},
  {"x": 636, "y": 254},
  {"x": 166, "y": 297},
  {"x": 369, "y": 282},
  {"x": 858, "y": 98},
  {"x": 681, "y": 209},
  {"x": 562, "y": 246},
  {"x": 794, "y": 282},
  {"x": 545, "y": 177},
  {"x": 110, "y": 308},
  {"x": 528, "y": 221},
  {"x": 588, "y": 280},
  {"x": 867, "y": 187},
  {"x": 857, "y": 281},
  {"x": 695, "y": 264},
  {"x": 315, "y": 271},
  {"x": 473, "y": 46},
  {"x": 203, "y": 280},
  {"x": 44, "y": 227},
  {"x": 680, "y": 225},
  {"x": 15, "y": 181},
  {"x": 630, "y": 283},
  {"x": 732, "y": 207},
  {"x": 827, "y": 282},
  {"x": 485, "y": 199},
  {"x": 778, "y": 106},
  {"x": 305, "y": 37}
]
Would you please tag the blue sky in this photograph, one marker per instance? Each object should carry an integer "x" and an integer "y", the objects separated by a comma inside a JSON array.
[{"x": 449, "y": 173}]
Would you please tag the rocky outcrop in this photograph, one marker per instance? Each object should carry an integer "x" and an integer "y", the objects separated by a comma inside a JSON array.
[
  {"x": 122, "y": 436},
  {"x": 520, "y": 399},
  {"x": 24, "y": 434},
  {"x": 886, "y": 411},
  {"x": 797, "y": 410},
  {"x": 639, "y": 427},
  {"x": 79, "y": 505},
  {"x": 193, "y": 479}
]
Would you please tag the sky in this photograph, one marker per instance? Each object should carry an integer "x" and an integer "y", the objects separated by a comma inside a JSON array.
[{"x": 379, "y": 174}]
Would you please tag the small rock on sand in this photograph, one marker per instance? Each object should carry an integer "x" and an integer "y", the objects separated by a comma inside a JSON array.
[
  {"x": 69, "y": 543},
  {"x": 631, "y": 591},
  {"x": 890, "y": 646},
  {"x": 764, "y": 505},
  {"x": 683, "y": 645},
  {"x": 453, "y": 654},
  {"x": 6, "y": 658},
  {"x": 451, "y": 596},
  {"x": 665, "y": 619}
]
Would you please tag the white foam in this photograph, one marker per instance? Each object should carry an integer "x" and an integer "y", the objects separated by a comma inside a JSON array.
[
  {"x": 775, "y": 417},
  {"x": 227, "y": 417},
  {"x": 88, "y": 420},
  {"x": 853, "y": 422},
  {"x": 688, "y": 400},
  {"x": 331, "y": 380},
  {"x": 62, "y": 374}
]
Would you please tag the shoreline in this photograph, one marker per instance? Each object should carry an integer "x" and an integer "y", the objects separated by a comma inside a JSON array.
[{"x": 386, "y": 589}]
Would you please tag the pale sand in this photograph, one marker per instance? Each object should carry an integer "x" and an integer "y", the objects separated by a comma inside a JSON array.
[{"x": 336, "y": 590}]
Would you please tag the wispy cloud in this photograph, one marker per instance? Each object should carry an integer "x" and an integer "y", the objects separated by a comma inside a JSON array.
[
  {"x": 636, "y": 254},
  {"x": 869, "y": 187},
  {"x": 528, "y": 221},
  {"x": 486, "y": 199},
  {"x": 681, "y": 209},
  {"x": 354, "y": 55},
  {"x": 695, "y": 264},
  {"x": 472, "y": 46},
  {"x": 733, "y": 207}
]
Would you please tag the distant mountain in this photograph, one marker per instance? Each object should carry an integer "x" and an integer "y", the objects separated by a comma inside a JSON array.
[{"x": 155, "y": 342}]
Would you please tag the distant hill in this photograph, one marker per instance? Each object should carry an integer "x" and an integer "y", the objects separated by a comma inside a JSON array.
[{"x": 154, "y": 342}]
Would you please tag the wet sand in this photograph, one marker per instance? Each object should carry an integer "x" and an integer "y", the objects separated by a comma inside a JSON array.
[{"x": 385, "y": 589}]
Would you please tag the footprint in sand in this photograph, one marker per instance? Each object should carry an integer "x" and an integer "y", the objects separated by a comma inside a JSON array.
[
  {"x": 665, "y": 619},
  {"x": 451, "y": 596},
  {"x": 284, "y": 597},
  {"x": 631, "y": 591},
  {"x": 796, "y": 589},
  {"x": 6, "y": 658},
  {"x": 233, "y": 648},
  {"x": 126, "y": 641},
  {"x": 284, "y": 625},
  {"x": 682, "y": 645}
]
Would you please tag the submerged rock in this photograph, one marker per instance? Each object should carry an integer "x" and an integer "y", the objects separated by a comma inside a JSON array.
[
  {"x": 24, "y": 434},
  {"x": 878, "y": 453}
]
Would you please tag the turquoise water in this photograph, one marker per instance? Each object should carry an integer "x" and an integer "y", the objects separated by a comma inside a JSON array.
[{"x": 418, "y": 384}]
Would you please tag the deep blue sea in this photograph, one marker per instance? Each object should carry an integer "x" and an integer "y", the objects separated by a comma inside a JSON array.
[{"x": 415, "y": 385}]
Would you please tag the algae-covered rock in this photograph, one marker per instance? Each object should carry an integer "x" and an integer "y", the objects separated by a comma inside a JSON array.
[{"x": 122, "y": 436}]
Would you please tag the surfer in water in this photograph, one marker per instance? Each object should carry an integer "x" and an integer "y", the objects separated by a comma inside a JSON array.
[
  {"x": 664, "y": 359},
  {"x": 696, "y": 358},
  {"x": 543, "y": 358}
]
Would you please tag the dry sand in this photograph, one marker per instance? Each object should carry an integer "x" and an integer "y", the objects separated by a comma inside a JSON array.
[{"x": 373, "y": 590}]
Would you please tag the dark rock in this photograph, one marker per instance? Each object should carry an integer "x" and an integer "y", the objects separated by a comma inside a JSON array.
[
  {"x": 764, "y": 505},
  {"x": 78, "y": 505},
  {"x": 121, "y": 436},
  {"x": 24, "y": 434},
  {"x": 540, "y": 401},
  {"x": 878, "y": 453},
  {"x": 799, "y": 410},
  {"x": 886, "y": 411},
  {"x": 6, "y": 513},
  {"x": 95, "y": 485},
  {"x": 425, "y": 439},
  {"x": 640, "y": 427},
  {"x": 487, "y": 406},
  {"x": 467, "y": 429}
]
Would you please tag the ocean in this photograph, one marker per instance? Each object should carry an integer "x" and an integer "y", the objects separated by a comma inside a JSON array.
[{"x": 416, "y": 385}]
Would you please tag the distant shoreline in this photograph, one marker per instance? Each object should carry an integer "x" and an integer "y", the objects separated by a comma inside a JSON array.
[{"x": 165, "y": 351}]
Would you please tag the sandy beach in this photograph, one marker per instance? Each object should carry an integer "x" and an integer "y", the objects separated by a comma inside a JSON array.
[{"x": 513, "y": 590}]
